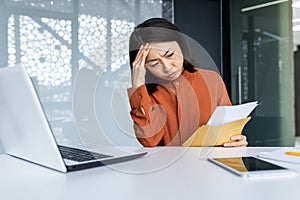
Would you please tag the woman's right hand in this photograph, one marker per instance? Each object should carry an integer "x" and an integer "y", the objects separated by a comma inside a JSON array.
[{"x": 138, "y": 66}]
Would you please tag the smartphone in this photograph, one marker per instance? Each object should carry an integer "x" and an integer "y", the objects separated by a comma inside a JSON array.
[{"x": 252, "y": 167}]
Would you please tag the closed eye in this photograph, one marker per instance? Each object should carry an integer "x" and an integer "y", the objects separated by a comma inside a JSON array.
[
  {"x": 170, "y": 55},
  {"x": 153, "y": 65}
]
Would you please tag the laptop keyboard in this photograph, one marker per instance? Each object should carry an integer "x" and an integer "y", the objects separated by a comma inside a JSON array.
[{"x": 80, "y": 155}]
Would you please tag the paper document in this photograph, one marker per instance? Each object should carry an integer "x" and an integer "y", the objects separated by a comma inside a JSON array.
[
  {"x": 225, "y": 114},
  {"x": 287, "y": 154},
  {"x": 225, "y": 122}
]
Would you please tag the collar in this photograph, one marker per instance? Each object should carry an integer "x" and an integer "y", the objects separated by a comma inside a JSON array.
[{"x": 183, "y": 78}]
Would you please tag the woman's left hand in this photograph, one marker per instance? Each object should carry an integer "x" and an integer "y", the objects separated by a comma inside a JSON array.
[{"x": 239, "y": 140}]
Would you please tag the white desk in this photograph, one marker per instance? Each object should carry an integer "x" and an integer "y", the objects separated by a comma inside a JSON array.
[{"x": 173, "y": 173}]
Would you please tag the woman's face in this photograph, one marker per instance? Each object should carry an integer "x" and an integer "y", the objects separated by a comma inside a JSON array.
[{"x": 165, "y": 60}]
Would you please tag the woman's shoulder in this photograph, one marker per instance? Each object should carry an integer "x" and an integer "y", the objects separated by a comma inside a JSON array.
[{"x": 207, "y": 73}]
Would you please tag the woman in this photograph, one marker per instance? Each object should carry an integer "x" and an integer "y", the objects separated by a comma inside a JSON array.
[{"x": 170, "y": 98}]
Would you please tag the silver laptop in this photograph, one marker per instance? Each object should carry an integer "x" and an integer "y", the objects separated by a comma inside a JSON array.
[{"x": 25, "y": 131}]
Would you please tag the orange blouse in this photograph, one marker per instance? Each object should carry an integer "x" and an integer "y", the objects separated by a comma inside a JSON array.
[{"x": 170, "y": 115}]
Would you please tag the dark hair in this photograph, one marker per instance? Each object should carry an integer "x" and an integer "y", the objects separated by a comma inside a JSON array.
[{"x": 157, "y": 30}]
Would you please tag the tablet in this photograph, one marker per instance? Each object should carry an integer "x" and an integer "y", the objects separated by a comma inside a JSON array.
[{"x": 251, "y": 167}]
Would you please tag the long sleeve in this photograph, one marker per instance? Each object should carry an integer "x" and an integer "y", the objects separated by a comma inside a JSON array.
[{"x": 149, "y": 117}]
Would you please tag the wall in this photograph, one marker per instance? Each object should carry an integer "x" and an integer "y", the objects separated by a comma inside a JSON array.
[{"x": 201, "y": 20}]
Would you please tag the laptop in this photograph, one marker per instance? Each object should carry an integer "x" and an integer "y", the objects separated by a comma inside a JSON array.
[{"x": 26, "y": 133}]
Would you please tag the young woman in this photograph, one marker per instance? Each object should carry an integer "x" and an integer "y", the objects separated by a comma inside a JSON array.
[{"x": 170, "y": 98}]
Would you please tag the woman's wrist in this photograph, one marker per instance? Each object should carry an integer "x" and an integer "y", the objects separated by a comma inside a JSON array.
[{"x": 138, "y": 83}]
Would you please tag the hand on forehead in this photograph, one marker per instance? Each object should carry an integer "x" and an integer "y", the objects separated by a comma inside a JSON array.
[{"x": 163, "y": 48}]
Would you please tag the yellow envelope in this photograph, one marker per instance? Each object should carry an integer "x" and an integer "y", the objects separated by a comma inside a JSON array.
[{"x": 216, "y": 135}]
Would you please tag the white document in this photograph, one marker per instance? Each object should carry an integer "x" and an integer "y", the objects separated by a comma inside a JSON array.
[
  {"x": 225, "y": 114},
  {"x": 283, "y": 154}
]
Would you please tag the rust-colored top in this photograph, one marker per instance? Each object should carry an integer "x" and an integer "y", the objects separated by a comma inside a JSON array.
[{"x": 173, "y": 113}]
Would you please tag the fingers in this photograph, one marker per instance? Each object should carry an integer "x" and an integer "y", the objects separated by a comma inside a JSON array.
[
  {"x": 141, "y": 55},
  {"x": 240, "y": 140},
  {"x": 145, "y": 53},
  {"x": 138, "y": 66}
]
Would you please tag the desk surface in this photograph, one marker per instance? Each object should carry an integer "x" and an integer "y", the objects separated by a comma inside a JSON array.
[{"x": 166, "y": 173}]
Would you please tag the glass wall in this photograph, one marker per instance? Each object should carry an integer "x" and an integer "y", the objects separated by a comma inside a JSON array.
[
  {"x": 76, "y": 52},
  {"x": 262, "y": 68},
  {"x": 296, "y": 42}
]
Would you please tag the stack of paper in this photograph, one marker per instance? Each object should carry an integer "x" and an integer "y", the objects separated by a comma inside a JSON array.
[
  {"x": 287, "y": 154},
  {"x": 225, "y": 114},
  {"x": 225, "y": 122}
]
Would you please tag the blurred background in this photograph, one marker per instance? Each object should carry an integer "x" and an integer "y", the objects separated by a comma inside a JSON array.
[{"x": 76, "y": 53}]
